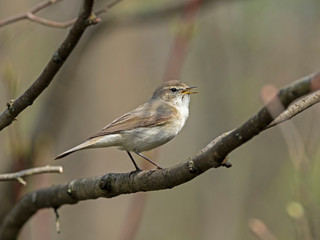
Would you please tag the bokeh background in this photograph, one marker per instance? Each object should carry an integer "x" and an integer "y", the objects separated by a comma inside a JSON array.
[{"x": 230, "y": 50}]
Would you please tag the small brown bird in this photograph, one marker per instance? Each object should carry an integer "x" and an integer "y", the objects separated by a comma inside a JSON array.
[{"x": 148, "y": 126}]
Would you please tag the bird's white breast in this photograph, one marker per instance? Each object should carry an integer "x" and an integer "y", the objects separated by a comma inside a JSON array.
[{"x": 182, "y": 105}]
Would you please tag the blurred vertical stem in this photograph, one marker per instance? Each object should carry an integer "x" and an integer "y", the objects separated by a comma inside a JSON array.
[
  {"x": 303, "y": 211},
  {"x": 185, "y": 31}
]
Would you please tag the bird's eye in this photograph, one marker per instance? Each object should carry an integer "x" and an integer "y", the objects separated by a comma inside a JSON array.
[{"x": 173, "y": 89}]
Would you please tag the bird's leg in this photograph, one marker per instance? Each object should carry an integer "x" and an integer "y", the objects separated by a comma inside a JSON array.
[
  {"x": 134, "y": 163},
  {"x": 154, "y": 163}
]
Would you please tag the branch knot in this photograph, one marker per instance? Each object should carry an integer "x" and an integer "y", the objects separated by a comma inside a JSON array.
[
  {"x": 105, "y": 183},
  {"x": 57, "y": 58},
  {"x": 93, "y": 19},
  {"x": 10, "y": 105},
  {"x": 192, "y": 167},
  {"x": 70, "y": 189}
]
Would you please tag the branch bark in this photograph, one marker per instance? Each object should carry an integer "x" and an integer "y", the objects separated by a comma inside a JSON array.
[
  {"x": 36, "y": 8},
  {"x": 18, "y": 176},
  {"x": 15, "y": 107},
  {"x": 115, "y": 184},
  {"x": 297, "y": 108}
]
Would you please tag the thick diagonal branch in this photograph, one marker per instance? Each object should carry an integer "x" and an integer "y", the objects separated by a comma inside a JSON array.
[
  {"x": 115, "y": 184},
  {"x": 59, "y": 57}
]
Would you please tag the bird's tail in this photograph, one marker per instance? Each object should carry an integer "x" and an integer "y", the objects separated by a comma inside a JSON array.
[{"x": 81, "y": 146}]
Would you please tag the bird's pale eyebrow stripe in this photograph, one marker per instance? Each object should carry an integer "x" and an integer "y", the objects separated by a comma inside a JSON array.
[{"x": 178, "y": 88}]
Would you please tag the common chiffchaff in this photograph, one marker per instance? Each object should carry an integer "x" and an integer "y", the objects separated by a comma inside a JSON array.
[{"x": 148, "y": 126}]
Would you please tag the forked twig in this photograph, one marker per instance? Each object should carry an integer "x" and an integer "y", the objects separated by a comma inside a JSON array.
[{"x": 30, "y": 15}]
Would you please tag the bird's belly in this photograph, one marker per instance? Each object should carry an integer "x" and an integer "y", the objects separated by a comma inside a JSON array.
[{"x": 144, "y": 139}]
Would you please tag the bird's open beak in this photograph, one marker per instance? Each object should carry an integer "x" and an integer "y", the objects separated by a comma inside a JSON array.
[{"x": 188, "y": 91}]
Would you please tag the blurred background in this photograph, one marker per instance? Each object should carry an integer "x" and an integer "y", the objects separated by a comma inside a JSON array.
[{"x": 230, "y": 49}]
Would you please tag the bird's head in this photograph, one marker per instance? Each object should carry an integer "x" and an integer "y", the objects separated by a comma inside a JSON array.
[{"x": 173, "y": 92}]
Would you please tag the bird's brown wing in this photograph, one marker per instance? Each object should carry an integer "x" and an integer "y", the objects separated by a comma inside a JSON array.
[{"x": 149, "y": 114}]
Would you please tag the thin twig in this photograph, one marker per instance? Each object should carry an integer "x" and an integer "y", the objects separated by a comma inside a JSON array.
[
  {"x": 297, "y": 108},
  {"x": 55, "y": 24},
  {"x": 58, "y": 230},
  {"x": 18, "y": 176},
  {"x": 42, "y": 5},
  {"x": 36, "y": 8},
  {"x": 50, "y": 23},
  {"x": 30, "y": 15}
]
